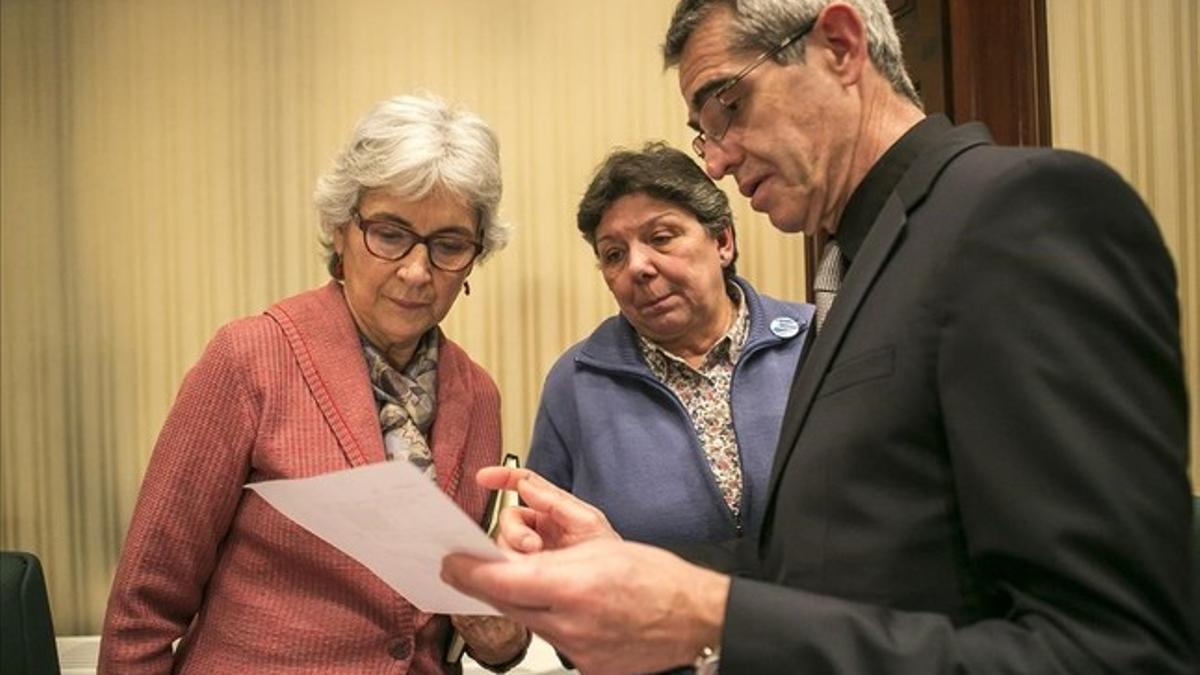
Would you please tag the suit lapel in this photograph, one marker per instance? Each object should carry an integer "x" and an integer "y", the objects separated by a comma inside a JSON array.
[
  {"x": 885, "y": 235},
  {"x": 324, "y": 339}
]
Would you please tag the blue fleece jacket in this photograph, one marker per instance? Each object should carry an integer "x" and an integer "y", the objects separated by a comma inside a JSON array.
[{"x": 612, "y": 434}]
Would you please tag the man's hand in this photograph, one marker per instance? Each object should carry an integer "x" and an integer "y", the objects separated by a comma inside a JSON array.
[
  {"x": 611, "y": 606},
  {"x": 550, "y": 519},
  {"x": 491, "y": 640}
]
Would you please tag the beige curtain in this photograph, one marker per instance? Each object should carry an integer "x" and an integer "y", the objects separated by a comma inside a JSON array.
[
  {"x": 158, "y": 161},
  {"x": 158, "y": 158}
]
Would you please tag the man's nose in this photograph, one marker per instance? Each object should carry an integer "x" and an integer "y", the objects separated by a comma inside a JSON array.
[{"x": 720, "y": 158}]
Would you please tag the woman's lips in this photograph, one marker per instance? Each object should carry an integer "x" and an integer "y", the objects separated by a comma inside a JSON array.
[
  {"x": 410, "y": 304},
  {"x": 655, "y": 305}
]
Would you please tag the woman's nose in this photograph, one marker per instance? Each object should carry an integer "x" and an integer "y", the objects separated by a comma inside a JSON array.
[
  {"x": 415, "y": 266},
  {"x": 641, "y": 262}
]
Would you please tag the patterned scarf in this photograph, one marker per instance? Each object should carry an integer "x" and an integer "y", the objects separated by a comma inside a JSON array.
[{"x": 407, "y": 401}]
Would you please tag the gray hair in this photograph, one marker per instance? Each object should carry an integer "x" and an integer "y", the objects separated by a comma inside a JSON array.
[
  {"x": 661, "y": 172},
  {"x": 416, "y": 145},
  {"x": 762, "y": 24}
]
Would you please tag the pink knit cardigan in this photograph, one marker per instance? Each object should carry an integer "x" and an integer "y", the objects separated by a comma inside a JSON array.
[{"x": 281, "y": 395}]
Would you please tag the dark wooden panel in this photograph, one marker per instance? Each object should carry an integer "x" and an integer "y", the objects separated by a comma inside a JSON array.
[
  {"x": 923, "y": 32},
  {"x": 998, "y": 69}
]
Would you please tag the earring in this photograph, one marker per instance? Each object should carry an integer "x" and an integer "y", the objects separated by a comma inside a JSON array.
[
  {"x": 335, "y": 267},
  {"x": 466, "y": 287}
]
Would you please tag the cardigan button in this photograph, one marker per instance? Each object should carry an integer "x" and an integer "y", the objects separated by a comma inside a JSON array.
[{"x": 401, "y": 650}]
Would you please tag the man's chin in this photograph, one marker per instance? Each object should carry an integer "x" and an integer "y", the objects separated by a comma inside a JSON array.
[{"x": 789, "y": 223}]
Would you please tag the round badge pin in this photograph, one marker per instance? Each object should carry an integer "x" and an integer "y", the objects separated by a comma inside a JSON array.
[{"x": 784, "y": 326}]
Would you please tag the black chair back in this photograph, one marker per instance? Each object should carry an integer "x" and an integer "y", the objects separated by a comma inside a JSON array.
[{"x": 26, "y": 632}]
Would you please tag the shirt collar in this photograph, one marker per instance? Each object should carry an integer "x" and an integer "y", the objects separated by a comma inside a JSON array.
[{"x": 872, "y": 193}]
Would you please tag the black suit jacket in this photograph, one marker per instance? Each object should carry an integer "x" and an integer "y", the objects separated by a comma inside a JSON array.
[{"x": 982, "y": 467}]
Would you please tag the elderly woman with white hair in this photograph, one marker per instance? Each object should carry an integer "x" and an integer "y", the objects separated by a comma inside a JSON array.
[{"x": 349, "y": 374}]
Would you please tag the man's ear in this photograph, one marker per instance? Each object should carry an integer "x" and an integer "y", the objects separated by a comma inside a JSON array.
[{"x": 844, "y": 34}]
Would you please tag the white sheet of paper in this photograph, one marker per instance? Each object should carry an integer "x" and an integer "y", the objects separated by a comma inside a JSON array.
[{"x": 393, "y": 520}]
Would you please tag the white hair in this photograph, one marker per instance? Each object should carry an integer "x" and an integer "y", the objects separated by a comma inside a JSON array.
[{"x": 415, "y": 145}]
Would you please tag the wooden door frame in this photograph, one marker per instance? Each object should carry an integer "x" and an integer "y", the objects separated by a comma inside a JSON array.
[{"x": 995, "y": 71}]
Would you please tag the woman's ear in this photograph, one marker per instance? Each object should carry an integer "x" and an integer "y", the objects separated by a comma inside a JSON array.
[
  {"x": 726, "y": 245},
  {"x": 339, "y": 239}
]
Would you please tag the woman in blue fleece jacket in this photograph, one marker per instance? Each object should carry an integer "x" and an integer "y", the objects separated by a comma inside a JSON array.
[{"x": 666, "y": 417}]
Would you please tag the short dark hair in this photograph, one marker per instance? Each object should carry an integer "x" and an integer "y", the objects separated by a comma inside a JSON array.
[{"x": 661, "y": 172}]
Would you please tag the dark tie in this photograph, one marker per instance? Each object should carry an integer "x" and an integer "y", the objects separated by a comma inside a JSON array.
[{"x": 829, "y": 279}]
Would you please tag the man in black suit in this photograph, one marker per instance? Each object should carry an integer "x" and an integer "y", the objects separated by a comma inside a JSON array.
[{"x": 982, "y": 467}]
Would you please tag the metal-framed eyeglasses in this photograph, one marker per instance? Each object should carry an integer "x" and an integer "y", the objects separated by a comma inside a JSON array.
[
  {"x": 716, "y": 114},
  {"x": 391, "y": 241}
]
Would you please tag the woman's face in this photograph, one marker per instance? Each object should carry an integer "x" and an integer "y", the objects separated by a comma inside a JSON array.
[
  {"x": 395, "y": 302},
  {"x": 665, "y": 271}
]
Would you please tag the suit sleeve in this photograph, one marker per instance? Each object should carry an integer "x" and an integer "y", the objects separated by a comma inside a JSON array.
[
  {"x": 1064, "y": 410},
  {"x": 188, "y": 497},
  {"x": 735, "y": 557}
]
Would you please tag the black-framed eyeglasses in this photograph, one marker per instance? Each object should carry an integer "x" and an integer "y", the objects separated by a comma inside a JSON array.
[
  {"x": 717, "y": 114},
  {"x": 389, "y": 240}
]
